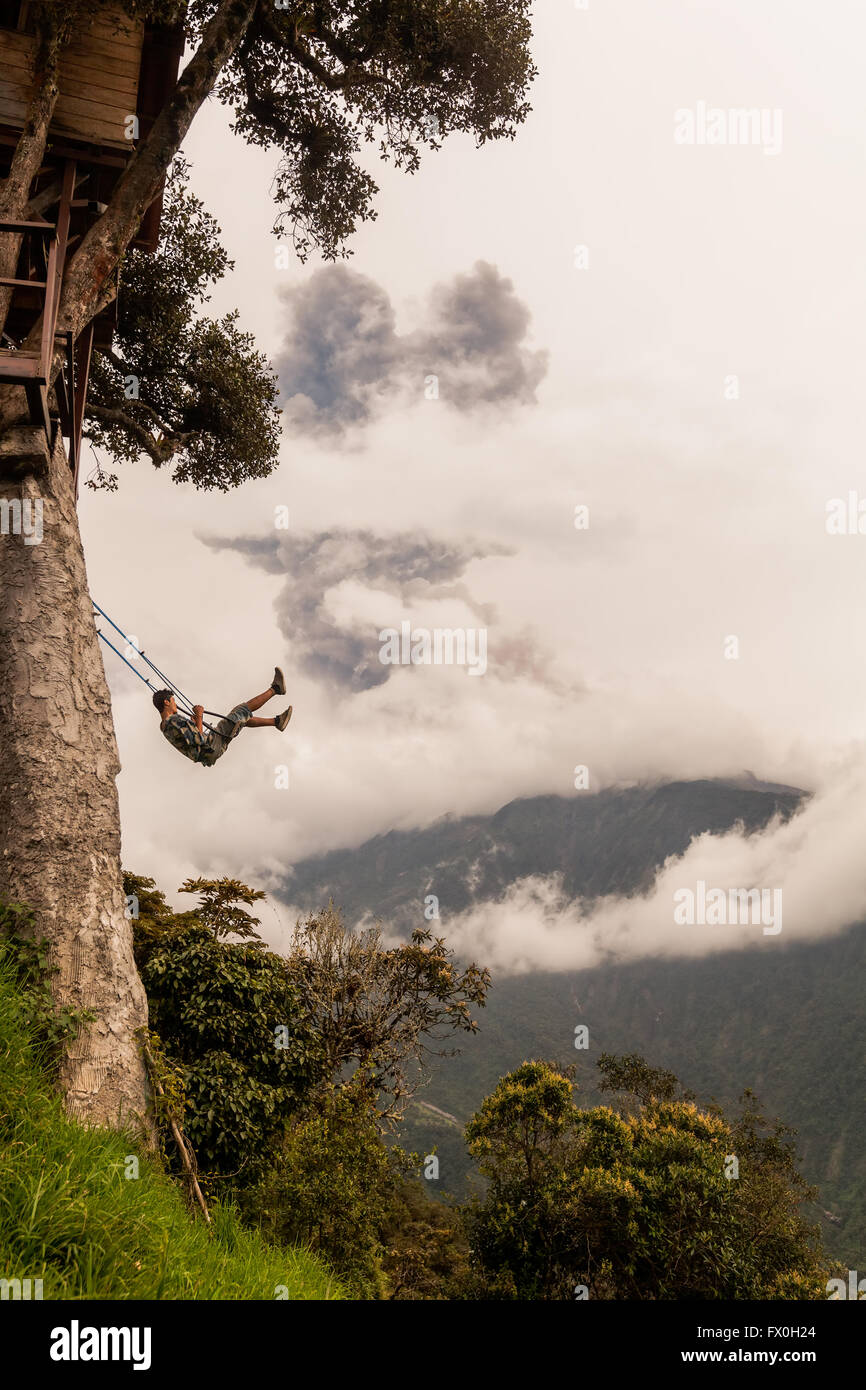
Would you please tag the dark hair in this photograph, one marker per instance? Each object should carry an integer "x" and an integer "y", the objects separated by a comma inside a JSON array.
[{"x": 161, "y": 698}]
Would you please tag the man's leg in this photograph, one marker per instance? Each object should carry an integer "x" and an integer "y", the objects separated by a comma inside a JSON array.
[
  {"x": 281, "y": 721},
  {"x": 256, "y": 703}
]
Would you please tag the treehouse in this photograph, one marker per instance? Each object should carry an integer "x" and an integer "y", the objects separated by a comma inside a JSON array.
[{"x": 113, "y": 81}]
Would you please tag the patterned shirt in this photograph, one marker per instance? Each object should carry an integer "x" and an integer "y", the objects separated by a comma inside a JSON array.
[{"x": 183, "y": 735}]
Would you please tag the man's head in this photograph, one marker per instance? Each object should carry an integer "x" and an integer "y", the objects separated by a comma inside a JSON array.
[{"x": 164, "y": 704}]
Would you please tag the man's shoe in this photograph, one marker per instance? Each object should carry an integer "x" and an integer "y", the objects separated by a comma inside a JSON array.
[
  {"x": 282, "y": 720},
  {"x": 278, "y": 684}
]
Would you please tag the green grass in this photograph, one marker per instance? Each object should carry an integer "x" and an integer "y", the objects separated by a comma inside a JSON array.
[{"x": 71, "y": 1217}]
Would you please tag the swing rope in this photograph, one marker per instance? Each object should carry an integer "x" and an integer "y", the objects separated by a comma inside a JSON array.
[{"x": 183, "y": 700}]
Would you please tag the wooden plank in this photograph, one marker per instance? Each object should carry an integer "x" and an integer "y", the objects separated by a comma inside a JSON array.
[
  {"x": 105, "y": 73},
  {"x": 17, "y": 60},
  {"x": 101, "y": 48},
  {"x": 46, "y": 351},
  {"x": 111, "y": 106},
  {"x": 85, "y": 68},
  {"x": 18, "y": 367},
  {"x": 15, "y": 91},
  {"x": 128, "y": 39},
  {"x": 95, "y": 152},
  {"x": 7, "y": 225},
  {"x": 108, "y": 106},
  {"x": 91, "y": 120},
  {"x": 98, "y": 108},
  {"x": 126, "y": 32},
  {"x": 94, "y": 132},
  {"x": 13, "y": 109},
  {"x": 12, "y": 43}
]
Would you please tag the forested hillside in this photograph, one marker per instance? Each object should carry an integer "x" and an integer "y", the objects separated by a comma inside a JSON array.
[
  {"x": 609, "y": 842},
  {"x": 782, "y": 1025}
]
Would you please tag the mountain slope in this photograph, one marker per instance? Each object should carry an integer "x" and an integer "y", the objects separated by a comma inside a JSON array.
[
  {"x": 609, "y": 842},
  {"x": 786, "y": 1022}
]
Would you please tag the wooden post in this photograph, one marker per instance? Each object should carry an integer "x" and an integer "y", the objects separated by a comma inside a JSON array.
[
  {"x": 83, "y": 350},
  {"x": 186, "y": 1157}
]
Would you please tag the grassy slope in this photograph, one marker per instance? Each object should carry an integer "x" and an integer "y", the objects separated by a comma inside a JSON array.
[{"x": 69, "y": 1215}]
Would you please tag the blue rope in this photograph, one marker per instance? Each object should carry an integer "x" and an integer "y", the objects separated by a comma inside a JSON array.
[{"x": 185, "y": 702}]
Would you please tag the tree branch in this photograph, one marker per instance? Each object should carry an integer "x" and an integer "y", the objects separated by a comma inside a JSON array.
[
  {"x": 111, "y": 415},
  {"x": 352, "y": 74}
]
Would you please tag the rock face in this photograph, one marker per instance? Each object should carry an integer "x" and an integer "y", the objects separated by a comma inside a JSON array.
[{"x": 59, "y": 815}]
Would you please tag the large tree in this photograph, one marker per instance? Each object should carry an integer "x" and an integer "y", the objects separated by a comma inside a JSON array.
[{"x": 318, "y": 81}]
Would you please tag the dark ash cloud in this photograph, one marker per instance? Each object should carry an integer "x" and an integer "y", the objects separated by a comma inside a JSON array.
[
  {"x": 343, "y": 361},
  {"x": 410, "y": 566}
]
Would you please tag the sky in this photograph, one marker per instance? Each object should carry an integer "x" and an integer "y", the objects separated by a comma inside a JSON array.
[{"x": 669, "y": 335}]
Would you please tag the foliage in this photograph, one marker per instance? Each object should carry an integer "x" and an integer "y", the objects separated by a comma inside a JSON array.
[
  {"x": 332, "y": 1184},
  {"x": 218, "y": 908},
  {"x": 296, "y": 1130},
  {"x": 635, "y": 1076},
  {"x": 426, "y": 1251},
  {"x": 378, "y": 1009},
  {"x": 204, "y": 397},
  {"x": 343, "y": 1004},
  {"x": 321, "y": 80},
  {"x": 153, "y": 919},
  {"x": 73, "y": 1213},
  {"x": 168, "y": 1093},
  {"x": 53, "y": 1026},
  {"x": 230, "y": 1015},
  {"x": 635, "y": 1205}
]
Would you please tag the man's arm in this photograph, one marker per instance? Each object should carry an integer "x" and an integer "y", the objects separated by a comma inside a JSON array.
[{"x": 198, "y": 711}]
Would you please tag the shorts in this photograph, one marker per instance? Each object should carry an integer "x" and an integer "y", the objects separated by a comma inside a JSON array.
[{"x": 223, "y": 733}]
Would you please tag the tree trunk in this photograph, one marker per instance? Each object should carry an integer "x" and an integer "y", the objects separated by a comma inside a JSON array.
[{"x": 59, "y": 814}]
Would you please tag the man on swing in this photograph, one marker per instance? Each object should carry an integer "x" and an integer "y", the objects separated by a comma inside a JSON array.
[{"x": 188, "y": 735}]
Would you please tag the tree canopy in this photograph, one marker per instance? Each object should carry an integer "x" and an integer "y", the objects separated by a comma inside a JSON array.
[
  {"x": 176, "y": 385},
  {"x": 320, "y": 80},
  {"x": 667, "y": 1201}
]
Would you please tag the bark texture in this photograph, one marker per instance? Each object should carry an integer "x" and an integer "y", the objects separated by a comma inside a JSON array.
[{"x": 59, "y": 814}]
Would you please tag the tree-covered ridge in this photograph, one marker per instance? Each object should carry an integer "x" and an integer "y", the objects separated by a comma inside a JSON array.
[
  {"x": 660, "y": 1199},
  {"x": 611, "y": 841},
  {"x": 655, "y": 1196}
]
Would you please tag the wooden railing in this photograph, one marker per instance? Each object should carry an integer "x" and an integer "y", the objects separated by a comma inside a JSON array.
[{"x": 33, "y": 369}]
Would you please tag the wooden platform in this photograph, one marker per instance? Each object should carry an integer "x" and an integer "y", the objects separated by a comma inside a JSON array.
[{"x": 99, "y": 79}]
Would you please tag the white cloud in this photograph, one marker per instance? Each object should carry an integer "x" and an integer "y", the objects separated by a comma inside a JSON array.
[
  {"x": 814, "y": 860},
  {"x": 707, "y": 515}
]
